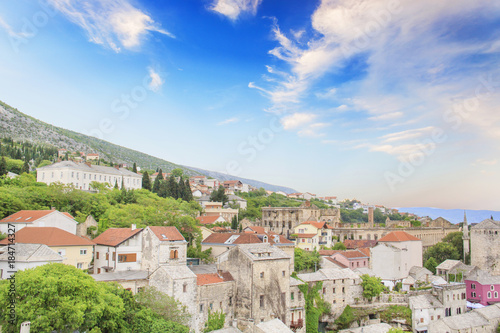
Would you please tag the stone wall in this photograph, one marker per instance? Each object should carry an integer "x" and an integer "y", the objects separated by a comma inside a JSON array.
[{"x": 485, "y": 249}]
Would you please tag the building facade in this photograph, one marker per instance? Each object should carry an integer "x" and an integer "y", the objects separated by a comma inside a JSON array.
[{"x": 485, "y": 246}]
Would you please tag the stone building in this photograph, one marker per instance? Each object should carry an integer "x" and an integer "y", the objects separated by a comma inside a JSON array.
[
  {"x": 283, "y": 220},
  {"x": 485, "y": 246},
  {"x": 444, "y": 301},
  {"x": 340, "y": 287},
  {"x": 162, "y": 246},
  {"x": 484, "y": 320},
  {"x": 262, "y": 275},
  {"x": 82, "y": 229}
]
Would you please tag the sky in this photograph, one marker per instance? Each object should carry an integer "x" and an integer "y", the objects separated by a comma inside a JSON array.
[{"x": 390, "y": 102}]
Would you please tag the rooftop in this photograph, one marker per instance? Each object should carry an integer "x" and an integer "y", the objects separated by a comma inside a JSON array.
[
  {"x": 49, "y": 236},
  {"x": 245, "y": 238},
  {"x": 29, "y": 216},
  {"x": 121, "y": 275},
  {"x": 167, "y": 233},
  {"x": 213, "y": 278},
  {"x": 89, "y": 168},
  {"x": 30, "y": 253},
  {"x": 257, "y": 252},
  {"x": 115, "y": 236},
  {"x": 426, "y": 301},
  {"x": 358, "y": 243},
  {"x": 448, "y": 264},
  {"x": 398, "y": 236},
  {"x": 208, "y": 219}
]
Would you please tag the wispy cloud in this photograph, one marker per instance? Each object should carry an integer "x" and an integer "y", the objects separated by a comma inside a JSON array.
[
  {"x": 112, "y": 23},
  {"x": 156, "y": 80},
  {"x": 408, "y": 134},
  {"x": 228, "y": 121},
  {"x": 297, "y": 120},
  {"x": 4, "y": 25},
  {"x": 313, "y": 130},
  {"x": 233, "y": 8},
  {"x": 482, "y": 161}
]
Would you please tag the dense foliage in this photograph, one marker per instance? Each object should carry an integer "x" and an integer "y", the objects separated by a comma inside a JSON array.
[
  {"x": 345, "y": 319},
  {"x": 258, "y": 199},
  {"x": 372, "y": 286},
  {"x": 57, "y": 297},
  {"x": 316, "y": 306},
  {"x": 215, "y": 321},
  {"x": 306, "y": 260}
]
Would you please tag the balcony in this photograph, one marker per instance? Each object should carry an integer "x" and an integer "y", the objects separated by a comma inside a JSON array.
[
  {"x": 297, "y": 324},
  {"x": 322, "y": 243}
]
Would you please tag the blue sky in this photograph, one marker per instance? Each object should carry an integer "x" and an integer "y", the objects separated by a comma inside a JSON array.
[{"x": 390, "y": 102}]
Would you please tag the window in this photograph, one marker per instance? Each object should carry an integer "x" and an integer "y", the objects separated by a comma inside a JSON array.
[
  {"x": 261, "y": 301},
  {"x": 83, "y": 251},
  {"x": 432, "y": 317},
  {"x": 61, "y": 252},
  {"x": 421, "y": 320},
  {"x": 459, "y": 310},
  {"x": 79, "y": 265},
  {"x": 343, "y": 289},
  {"x": 130, "y": 257},
  {"x": 473, "y": 286},
  {"x": 334, "y": 290},
  {"x": 98, "y": 271},
  {"x": 473, "y": 294},
  {"x": 283, "y": 273},
  {"x": 72, "y": 174},
  {"x": 439, "y": 316},
  {"x": 184, "y": 288},
  {"x": 201, "y": 307},
  {"x": 174, "y": 254},
  {"x": 492, "y": 287},
  {"x": 211, "y": 306},
  {"x": 324, "y": 290},
  {"x": 230, "y": 300},
  {"x": 496, "y": 294},
  {"x": 261, "y": 275},
  {"x": 489, "y": 294},
  {"x": 291, "y": 296}
]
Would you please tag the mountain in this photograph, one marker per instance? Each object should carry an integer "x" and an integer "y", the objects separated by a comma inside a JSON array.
[
  {"x": 452, "y": 215},
  {"x": 15, "y": 124}
]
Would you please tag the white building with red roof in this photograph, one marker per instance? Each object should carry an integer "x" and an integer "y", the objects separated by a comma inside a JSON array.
[
  {"x": 393, "y": 257},
  {"x": 118, "y": 249},
  {"x": 311, "y": 235},
  {"x": 38, "y": 218}
]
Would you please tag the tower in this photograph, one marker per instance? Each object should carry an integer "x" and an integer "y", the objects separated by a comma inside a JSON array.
[{"x": 465, "y": 237}]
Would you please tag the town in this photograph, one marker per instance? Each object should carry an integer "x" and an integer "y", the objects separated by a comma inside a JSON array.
[{"x": 199, "y": 254}]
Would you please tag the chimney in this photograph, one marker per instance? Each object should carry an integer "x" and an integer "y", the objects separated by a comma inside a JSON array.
[
  {"x": 370, "y": 217},
  {"x": 117, "y": 167},
  {"x": 133, "y": 227}
]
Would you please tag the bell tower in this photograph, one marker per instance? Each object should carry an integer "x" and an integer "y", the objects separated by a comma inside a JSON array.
[{"x": 465, "y": 237}]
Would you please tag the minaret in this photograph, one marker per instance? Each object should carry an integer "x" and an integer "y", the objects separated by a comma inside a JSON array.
[{"x": 465, "y": 237}]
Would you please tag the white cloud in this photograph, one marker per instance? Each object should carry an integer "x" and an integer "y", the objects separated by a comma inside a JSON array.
[
  {"x": 312, "y": 130},
  {"x": 228, "y": 121},
  {"x": 156, "y": 80},
  {"x": 387, "y": 116},
  {"x": 408, "y": 134},
  {"x": 112, "y": 23},
  {"x": 482, "y": 161},
  {"x": 404, "y": 151},
  {"x": 296, "y": 120},
  {"x": 233, "y": 8}
]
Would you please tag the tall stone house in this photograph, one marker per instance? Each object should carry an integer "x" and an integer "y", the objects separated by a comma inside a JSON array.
[
  {"x": 283, "y": 220},
  {"x": 485, "y": 246}
]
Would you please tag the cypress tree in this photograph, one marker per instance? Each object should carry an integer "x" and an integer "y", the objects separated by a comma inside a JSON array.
[
  {"x": 146, "y": 181},
  {"x": 26, "y": 167},
  {"x": 116, "y": 184},
  {"x": 156, "y": 185},
  {"x": 134, "y": 168},
  {"x": 173, "y": 188},
  {"x": 188, "y": 195},
  {"x": 160, "y": 175},
  {"x": 3, "y": 166}
]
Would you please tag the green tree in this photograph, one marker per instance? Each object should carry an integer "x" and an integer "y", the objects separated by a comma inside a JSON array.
[
  {"x": 442, "y": 251},
  {"x": 215, "y": 321},
  {"x": 163, "y": 305},
  {"x": 156, "y": 184},
  {"x": 116, "y": 185},
  {"x": 234, "y": 223},
  {"x": 306, "y": 260},
  {"x": 431, "y": 264},
  {"x": 188, "y": 195},
  {"x": 455, "y": 238},
  {"x": 134, "y": 168},
  {"x": 345, "y": 319},
  {"x": 219, "y": 195},
  {"x": 315, "y": 305},
  {"x": 395, "y": 330},
  {"x": 177, "y": 172},
  {"x": 3, "y": 166},
  {"x": 57, "y": 297},
  {"x": 26, "y": 167},
  {"x": 372, "y": 286},
  {"x": 339, "y": 246},
  {"x": 146, "y": 181}
]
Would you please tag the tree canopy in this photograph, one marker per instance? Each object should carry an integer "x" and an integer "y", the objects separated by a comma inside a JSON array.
[{"x": 372, "y": 286}]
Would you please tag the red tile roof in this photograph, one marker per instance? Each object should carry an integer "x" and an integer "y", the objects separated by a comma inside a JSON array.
[
  {"x": 212, "y": 278},
  {"x": 317, "y": 225},
  {"x": 359, "y": 243},
  {"x": 306, "y": 235},
  {"x": 365, "y": 250},
  {"x": 115, "y": 236},
  {"x": 28, "y": 216},
  {"x": 207, "y": 219},
  {"x": 50, "y": 236},
  {"x": 244, "y": 238},
  {"x": 398, "y": 236},
  {"x": 170, "y": 233}
]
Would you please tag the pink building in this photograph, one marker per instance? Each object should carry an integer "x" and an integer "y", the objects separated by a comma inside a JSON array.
[
  {"x": 352, "y": 259},
  {"x": 482, "y": 287}
]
